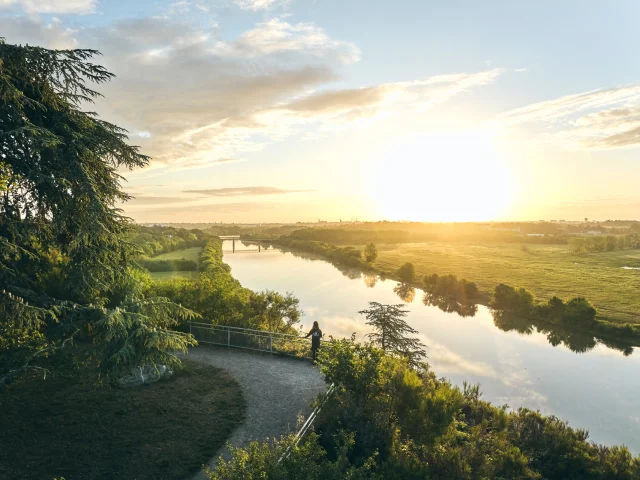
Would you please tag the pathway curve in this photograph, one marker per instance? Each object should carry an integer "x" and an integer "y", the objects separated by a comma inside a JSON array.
[{"x": 276, "y": 390}]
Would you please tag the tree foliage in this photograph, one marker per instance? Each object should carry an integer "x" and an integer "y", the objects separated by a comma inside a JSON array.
[
  {"x": 391, "y": 330},
  {"x": 388, "y": 420},
  {"x": 370, "y": 252},
  {"x": 407, "y": 272},
  {"x": 65, "y": 265},
  {"x": 221, "y": 299}
]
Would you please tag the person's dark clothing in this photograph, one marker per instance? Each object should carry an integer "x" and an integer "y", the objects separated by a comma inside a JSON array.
[{"x": 316, "y": 335}]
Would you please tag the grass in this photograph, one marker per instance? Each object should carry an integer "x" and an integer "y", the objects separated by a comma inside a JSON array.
[
  {"x": 69, "y": 427},
  {"x": 545, "y": 270},
  {"x": 161, "y": 276},
  {"x": 187, "y": 254}
]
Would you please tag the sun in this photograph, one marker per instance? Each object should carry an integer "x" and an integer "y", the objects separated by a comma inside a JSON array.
[{"x": 448, "y": 176}]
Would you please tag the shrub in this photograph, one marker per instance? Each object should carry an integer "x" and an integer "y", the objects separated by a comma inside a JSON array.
[{"x": 407, "y": 272}]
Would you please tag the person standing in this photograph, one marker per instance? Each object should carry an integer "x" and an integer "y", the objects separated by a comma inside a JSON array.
[{"x": 316, "y": 334}]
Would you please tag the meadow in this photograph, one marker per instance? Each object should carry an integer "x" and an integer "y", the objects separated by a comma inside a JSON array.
[
  {"x": 162, "y": 276},
  {"x": 187, "y": 254},
  {"x": 190, "y": 254},
  {"x": 545, "y": 270}
]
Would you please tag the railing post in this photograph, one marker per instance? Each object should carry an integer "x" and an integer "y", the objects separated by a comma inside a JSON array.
[
  {"x": 228, "y": 337},
  {"x": 270, "y": 343}
]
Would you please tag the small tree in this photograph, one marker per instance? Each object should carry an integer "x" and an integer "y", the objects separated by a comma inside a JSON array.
[
  {"x": 407, "y": 272},
  {"x": 391, "y": 331},
  {"x": 370, "y": 252}
]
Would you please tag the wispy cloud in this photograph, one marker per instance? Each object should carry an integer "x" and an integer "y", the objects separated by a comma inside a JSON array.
[
  {"x": 151, "y": 200},
  {"x": 194, "y": 99},
  {"x": 256, "y": 5},
  {"x": 52, "y": 6},
  {"x": 243, "y": 191},
  {"x": 605, "y": 118},
  {"x": 276, "y": 36}
]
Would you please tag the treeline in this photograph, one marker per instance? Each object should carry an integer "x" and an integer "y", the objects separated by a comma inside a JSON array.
[
  {"x": 450, "y": 286},
  {"x": 462, "y": 296},
  {"x": 608, "y": 243},
  {"x": 381, "y": 232},
  {"x": 173, "y": 265},
  {"x": 346, "y": 255},
  {"x": 387, "y": 420},
  {"x": 221, "y": 299},
  {"x": 575, "y": 313},
  {"x": 158, "y": 240},
  {"x": 340, "y": 235}
]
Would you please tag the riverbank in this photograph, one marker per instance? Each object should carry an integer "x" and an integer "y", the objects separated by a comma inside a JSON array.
[
  {"x": 545, "y": 270},
  {"x": 620, "y": 335}
]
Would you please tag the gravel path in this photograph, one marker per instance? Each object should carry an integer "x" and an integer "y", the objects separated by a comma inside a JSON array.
[{"x": 276, "y": 391}]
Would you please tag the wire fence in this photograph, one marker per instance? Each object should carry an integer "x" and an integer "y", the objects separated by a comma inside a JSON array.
[{"x": 257, "y": 340}]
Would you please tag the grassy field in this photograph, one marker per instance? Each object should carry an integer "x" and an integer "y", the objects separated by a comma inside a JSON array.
[
  {"x": 161, "y": 276},
  {"x": 69, "y": 427},
  {"x": 545, "y": 270},
  {"x": 187, "y": 254}
]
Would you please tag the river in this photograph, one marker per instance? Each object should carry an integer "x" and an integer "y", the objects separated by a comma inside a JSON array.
[{"x": 596, "y": 390}]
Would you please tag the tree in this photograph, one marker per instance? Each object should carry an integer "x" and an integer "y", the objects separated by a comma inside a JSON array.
[
  {"x": 370, "y": 252},
  {"x": 407, "y": 272},
  {"x": 65, "y": 266},
  {"x": 391, "y": 331},
  {"x": 273, "y": 312}
]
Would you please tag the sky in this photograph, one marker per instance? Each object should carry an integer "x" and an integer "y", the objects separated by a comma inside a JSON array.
[{"x": 299, "y": 110}]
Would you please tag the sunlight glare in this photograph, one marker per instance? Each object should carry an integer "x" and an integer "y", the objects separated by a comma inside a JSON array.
[{"x": 448, "y": 176}]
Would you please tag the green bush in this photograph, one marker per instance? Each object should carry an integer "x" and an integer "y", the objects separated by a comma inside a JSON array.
[
  {"x": 406, "y": 272},
  {"x": 175, "y": 265}
]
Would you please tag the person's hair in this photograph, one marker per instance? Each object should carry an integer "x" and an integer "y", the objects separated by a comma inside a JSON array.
[{"x": 315, "y": 324}]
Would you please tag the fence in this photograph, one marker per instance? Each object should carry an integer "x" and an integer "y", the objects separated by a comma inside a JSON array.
[
  {"x": 308, "y": 423},
  {"x": 248, "y": 339}
]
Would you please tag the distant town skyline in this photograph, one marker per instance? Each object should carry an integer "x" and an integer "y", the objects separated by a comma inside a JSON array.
[{"x": 257, "y": 111}]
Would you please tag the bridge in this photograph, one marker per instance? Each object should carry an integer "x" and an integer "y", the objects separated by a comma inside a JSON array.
[
  {"x": 233, "y": 239},
  {"x": 278, "y": 382}
]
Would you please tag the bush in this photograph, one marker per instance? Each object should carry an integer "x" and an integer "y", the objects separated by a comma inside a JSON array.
[
  {"x": 175, "y": 265},
  {"x": 407, "y": 272},
  {"x": 370, "y": 253},
  {"x": 508, "y": 298}
]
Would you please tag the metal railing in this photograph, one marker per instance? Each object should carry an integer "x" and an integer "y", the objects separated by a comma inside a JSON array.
[
  {"x": 249, "y": 339},
  {"x": 306, "y": 426}
]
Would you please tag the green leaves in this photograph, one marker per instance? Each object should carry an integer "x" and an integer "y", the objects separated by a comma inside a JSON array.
[
  {"x": 391, "y": 331},
  {"x": 65, "y": 264}
]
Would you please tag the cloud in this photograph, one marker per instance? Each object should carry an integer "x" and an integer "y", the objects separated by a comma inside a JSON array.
[
  {"x": 276, "y": 35},
  {"x": 597, "y": 119},
  {"x": 22, "y": 30},
  {"x": 256, "y": 5},
  {"x": 194, "y": 99},
  {"x": 243, "y": 191},
  {"x": 140, "y": 200},
  {"x": 519, "y": 70},
  {"x": 52, "y": 6},
  {"x": 418, "y": 94}
]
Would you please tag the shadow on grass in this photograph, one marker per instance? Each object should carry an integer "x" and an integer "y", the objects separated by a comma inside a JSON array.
[{"x": 70, "y": 427}]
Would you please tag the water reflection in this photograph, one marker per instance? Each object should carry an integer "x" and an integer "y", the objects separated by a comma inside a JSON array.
[
  {"x": 534, "y": 368},
  {"x": 370, "y": 279},
  {"x": 352, "y": 273},
  {"x": 450, "y": 304},
  {"x": 452, "y": 297},
  {"x": 406, "y": 292},
  {"x": 575, "y": 340}
]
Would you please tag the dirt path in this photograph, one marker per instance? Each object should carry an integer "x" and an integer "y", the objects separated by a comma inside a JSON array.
[{"x": 277, "y": 390}]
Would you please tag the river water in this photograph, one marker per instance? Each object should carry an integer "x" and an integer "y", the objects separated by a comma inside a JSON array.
[{"x": 597, "y": 390}]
